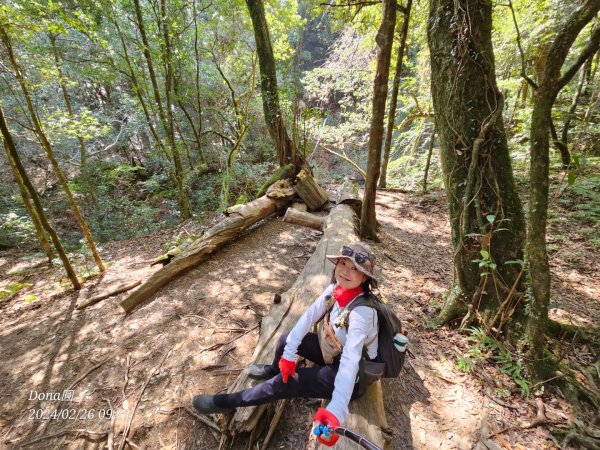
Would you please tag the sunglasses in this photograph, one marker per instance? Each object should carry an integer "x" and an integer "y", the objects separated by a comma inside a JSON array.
[{"x": 359, "y": 257}]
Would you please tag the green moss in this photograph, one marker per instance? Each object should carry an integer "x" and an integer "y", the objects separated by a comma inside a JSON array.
[{"x": 12, "y": 289}]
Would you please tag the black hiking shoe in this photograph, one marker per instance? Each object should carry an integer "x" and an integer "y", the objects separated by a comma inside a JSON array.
[
  {"x": 205, "y": 404},
  {"x": 262, "y": 371}
]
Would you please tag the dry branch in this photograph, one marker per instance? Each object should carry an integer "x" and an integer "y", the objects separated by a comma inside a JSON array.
[
  {"x": 91, "y": 434},
  {"x": 90, "y": 370},
  {"x": 273, "y": 426},
  {"x": 137, "y": 402},
  {"x": 278, "y": 196},
  {"x": 347, "y": 159},
  {"x": 98, "y": 298},
  {"x": 204, "y": 420}
]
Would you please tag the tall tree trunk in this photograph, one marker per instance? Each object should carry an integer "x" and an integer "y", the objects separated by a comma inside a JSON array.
[
  {"x": 564, "y": 137},
  {"x": 286, "y": 150},
  {"x": 185, "y": 211},
  {"x": 394, "y": 100},
  {"x": 198, "y": 101},
  {"x": 565, "y": 155},
  {"x": 39, "y": 228},
  {"x": 48, "y": 149},
  {"x": 476, "y": 165},
  {"x": 63, "y": 88},
  {"x": 384, "y": 39},
  {"x": 551, "y": 82},
  {"x": 166, "y": 118},
  {"x": 138, "y": 90},
  {"x": 139, "y": 21},
  {"x": 12, "y": 149},
  {"x": 428, "y": 163}
]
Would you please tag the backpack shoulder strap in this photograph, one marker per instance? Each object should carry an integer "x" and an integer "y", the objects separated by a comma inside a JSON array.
[
  {"x": 364, "y": 300},
  {"x": 329, "y": 301}
]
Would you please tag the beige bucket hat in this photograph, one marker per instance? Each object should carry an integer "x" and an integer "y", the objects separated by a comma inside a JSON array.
[{"x": 361, "y": 255}]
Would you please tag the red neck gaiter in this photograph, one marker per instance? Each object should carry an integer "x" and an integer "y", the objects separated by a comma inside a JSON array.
[{"x": 344, "y": 296}]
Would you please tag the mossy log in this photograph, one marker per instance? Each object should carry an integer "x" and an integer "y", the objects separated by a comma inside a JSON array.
[
  {"x": 281, "y": 173},
  {"x": 309, "y": 191},
  {"x": 278, "y": 196},
  {"x": 367, "y": 414}
]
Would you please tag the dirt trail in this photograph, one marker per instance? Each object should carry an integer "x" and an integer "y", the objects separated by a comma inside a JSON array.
[{"x": 206, "y": 325}]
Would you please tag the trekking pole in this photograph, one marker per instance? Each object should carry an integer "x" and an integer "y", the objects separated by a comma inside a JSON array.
[{"x": 354, "y": 437}]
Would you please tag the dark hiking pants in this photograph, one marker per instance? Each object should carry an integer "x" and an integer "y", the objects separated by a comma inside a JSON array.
[{"x": 312, "y": 382}]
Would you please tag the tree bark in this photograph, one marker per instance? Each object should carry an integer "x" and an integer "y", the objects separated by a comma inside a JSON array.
[
  {"x": 394, "y": 100},
  {"x": 551, "y": 82},
  {"x": 185, "y": 211},
  {"x": 286, "y": 150},
  {"x": 221, "y": 234},
  {"x": 98, "y": 298},
  {"x": 138, "y": 89},
  {"x": 165, "y": 118},
  {"x": 385, "y": 36},
  {"x": 476, "y": 164},
  {"x": 304, "y": 218},
  {"x": 309, "y": 191},
  {"x": 198, "y": 101},
  {"x": 564, "y": 137},
  {"x": 9, "y": 142},
  {"x": 48, "y": 148},
  {"x": 428, "y": 163},
  {"x": 39, "y": 228}
]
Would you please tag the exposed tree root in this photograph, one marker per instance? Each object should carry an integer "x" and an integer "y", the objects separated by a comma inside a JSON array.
[
  {"x": 560, "y": 330},
  {"x": 575, "y": 439},
  {"x": 454, "y": 307}
]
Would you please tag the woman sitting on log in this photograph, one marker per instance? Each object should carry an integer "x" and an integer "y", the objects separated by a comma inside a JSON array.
[{"x": 336, "y": 349}]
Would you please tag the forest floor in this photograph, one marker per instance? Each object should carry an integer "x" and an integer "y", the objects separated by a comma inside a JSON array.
[{"x": 199, "y": 332}]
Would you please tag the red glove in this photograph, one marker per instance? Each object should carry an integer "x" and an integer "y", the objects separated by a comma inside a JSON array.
[
  {"x": 326, "y": 418},
  {"x": 287, "y": 368}
]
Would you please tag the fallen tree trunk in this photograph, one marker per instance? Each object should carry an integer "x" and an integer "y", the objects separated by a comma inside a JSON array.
[
  {"x": 367, "y": 416},
  {"x": 278, "y": 196},
  {"x": 98, "y": 298},
  {"x": 309, "y": 191},
  {"x": 305, "y": 219}
]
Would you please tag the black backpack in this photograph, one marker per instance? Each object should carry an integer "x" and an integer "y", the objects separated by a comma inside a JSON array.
[{"x": 389, "y": 360}]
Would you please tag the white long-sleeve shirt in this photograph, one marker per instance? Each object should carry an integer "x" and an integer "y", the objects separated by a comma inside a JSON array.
[{"x": 363, "y": 329}]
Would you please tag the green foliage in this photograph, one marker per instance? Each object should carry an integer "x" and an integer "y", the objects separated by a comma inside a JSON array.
[
  {"x": 60, "y": 126},
  {"x": 11, "y": 289},
  {"x": 484, "y": 347},
  {"x": 17, "y": 228},
  {"x": 122, "y": 201},
  {"x": 284, "y": 24},
  {"x": 339, "y": 94},
  {"x": 465, "y": 364}
]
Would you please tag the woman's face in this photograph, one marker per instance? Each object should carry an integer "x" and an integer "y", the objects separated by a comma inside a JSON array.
[{"x": 347, "y": 275}]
